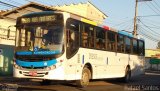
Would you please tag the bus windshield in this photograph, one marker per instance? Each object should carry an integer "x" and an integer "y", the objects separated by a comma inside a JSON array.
[{"x": 43, "y": 36}]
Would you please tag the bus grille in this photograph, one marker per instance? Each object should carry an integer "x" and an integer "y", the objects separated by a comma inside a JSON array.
[
  {"x": 34, "y": 67},
  {"x": 39, "y": 74}
]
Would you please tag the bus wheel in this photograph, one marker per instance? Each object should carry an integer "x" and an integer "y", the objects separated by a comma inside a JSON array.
[
  {"x": 127, "y": 75},
  {"x": 84, "y": 81}
]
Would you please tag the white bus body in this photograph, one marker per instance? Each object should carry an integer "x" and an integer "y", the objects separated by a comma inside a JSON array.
[{"x": 101, "y": 63}]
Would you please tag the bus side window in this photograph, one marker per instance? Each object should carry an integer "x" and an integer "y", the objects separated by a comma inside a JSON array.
[
  {"x": 87, "y": 36},
  {"x": 141, "y": 48},
  {"x": 84, "y": 36},
  {"x": 127, "y": 45},
  {"x": 84, "y": 39},
  {"x": 100, "y": 38},
  {"x": 111, "y": 41},
  {"x": 135, "y": 46},
  {"x": 91, "y": 37},
  {"x": 72, "y": 38},
  {"x": 120, "y": 43}
]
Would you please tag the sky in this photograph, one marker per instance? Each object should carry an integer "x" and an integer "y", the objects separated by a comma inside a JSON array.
[{"x": 120, "y": 15}]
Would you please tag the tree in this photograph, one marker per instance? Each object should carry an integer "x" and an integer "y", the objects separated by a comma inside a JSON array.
[{"x": 158, "y": 45}]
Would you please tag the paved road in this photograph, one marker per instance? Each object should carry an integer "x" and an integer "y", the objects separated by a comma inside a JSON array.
[{"x": 149, "y": 81}]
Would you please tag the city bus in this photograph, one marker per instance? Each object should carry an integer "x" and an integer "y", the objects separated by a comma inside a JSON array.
[{"x": 56, "y": 45}]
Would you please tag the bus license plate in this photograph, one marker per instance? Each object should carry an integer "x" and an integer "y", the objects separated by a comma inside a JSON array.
[{"x": 33, "y": 73}]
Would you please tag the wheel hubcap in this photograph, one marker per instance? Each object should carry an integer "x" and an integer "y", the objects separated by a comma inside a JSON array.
[{"x": 85, "y": 79}]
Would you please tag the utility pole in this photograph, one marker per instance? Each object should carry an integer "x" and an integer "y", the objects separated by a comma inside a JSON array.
[{"x": 135, "y": 19}]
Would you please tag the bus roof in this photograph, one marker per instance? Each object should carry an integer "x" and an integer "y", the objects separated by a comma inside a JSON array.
[
  {"x": 39, "y": 13},
  {"x": 81, "y": 19},
  {"x": 125, "y": 33},
  {"x": 129, "y": 35}
]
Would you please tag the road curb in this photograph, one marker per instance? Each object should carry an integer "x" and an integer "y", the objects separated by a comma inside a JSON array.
[{"x": 153, "y": 71}]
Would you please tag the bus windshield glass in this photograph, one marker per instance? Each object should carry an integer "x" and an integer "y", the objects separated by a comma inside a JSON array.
[{"x": 40, "y": 35}]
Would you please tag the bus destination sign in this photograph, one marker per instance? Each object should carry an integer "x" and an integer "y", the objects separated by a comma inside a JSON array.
[{"x": 38, "y": 19}]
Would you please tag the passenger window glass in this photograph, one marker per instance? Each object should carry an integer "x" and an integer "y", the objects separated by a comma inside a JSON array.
[
  {"x": 120, "y": 44},
  {"x": 88, "y": 36},
  {"x": 141, "y": 48},
  {"x": 111, "y": 41},
  {"x": 127, "y": 45},
  {"x": 85, "y": 35},
  {"x": 135, "y": 45},
  {"x": 100, "y": 38},
  {"x": 72, "y": 37}
]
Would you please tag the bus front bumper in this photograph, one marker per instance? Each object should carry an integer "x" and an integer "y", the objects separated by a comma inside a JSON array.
[{"x": 55, "y": 74}]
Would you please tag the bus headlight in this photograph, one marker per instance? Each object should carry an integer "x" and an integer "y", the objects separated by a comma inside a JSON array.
[
  {"x": 48, "y": 68},
  {"x": 51, "y": 67},
  {"x": 16, "y": 66}
]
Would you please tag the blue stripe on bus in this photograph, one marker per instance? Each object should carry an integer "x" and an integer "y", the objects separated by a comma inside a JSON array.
[
  {"x": 125, "y": 33},
  {"x": 36, "y": 64},
  {"x": 38, "y": 52},
  {"x": 24, "y": 53}
]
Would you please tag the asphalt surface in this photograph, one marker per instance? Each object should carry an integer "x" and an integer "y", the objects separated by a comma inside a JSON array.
[{"x": 150, "y": 82}]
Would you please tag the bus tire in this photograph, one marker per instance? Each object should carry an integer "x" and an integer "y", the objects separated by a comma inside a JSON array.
[
  {"x": 84, "y": 81},
  {"x": 127, "y": 76}
]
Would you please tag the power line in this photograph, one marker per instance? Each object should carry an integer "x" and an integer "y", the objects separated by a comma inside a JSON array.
[
  {"x": 151, "y": 8},
  {"x": 123, "y": 22},
  {"x": 4, "y": 5},
  {"x": 147, "y": 35},
  {"x": 154, "y": 27},
  {"x": 13, "y": 6},
  {"x": 126, "y": 26},
  {"x": 148, "y": 16},
  {"x": 10, "y": 5},
  {"x": 151, "y": 22},
  {"x": 156, "y": 3},
  {"x": 13, "y": 2},
  {"x": 149, "y": 28},
  {"x": 155, "y": 7},
  {"x": 130, "y": 26}
]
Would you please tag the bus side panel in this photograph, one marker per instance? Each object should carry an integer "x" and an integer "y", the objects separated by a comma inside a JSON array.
[
  {"x": 122, "y": 62},
  {"x": 71, "y": 68},
  {"x": 104, "y": 64},
  {"x": 97, "y": 60},
  {"x": 137, "y": 66}
]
